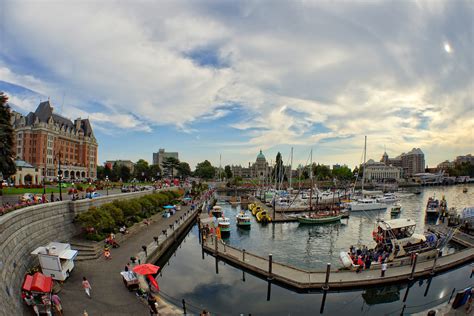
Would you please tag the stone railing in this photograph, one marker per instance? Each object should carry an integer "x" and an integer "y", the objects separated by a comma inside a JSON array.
[{"x": 23, "y": 230}]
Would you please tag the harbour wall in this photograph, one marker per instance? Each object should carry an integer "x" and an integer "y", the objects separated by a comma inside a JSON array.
[{"x": 23, "y": 230}]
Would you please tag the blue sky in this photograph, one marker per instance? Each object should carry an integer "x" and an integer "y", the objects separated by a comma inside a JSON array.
[{"x": 206, "y": 78}]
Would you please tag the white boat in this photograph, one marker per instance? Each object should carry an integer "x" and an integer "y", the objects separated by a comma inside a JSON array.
[
  {"x": 366, "y": 205},
  {"x": 388, "y": 198},
  {"x": 243, "y": 220},
  {"x": 224, "y": 224}
]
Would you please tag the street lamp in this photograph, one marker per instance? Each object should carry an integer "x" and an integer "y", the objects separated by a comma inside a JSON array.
[
  {"x": 60, "y": 175},
  {"x": 107, "y": 184}
]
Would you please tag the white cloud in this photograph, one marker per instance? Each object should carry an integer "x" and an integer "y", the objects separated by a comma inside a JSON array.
[{"x": 378, "y": 69}]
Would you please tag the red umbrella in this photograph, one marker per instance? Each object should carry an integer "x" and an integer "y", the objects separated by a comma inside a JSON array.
[{"x": 146, "y": 268}]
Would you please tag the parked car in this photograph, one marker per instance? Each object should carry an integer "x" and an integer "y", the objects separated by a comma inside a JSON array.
[
  {"x": 27, "y": 197},
  {"x": 92, "y": 195}
]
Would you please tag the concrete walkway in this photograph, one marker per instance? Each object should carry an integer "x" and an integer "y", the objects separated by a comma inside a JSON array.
[{"x": 109, "y": 295}]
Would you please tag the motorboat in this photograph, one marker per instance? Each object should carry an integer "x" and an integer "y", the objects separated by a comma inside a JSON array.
[
  {"x": 263, "y": 217},
  {"x": 224, "y": 224},
  {"x": 432, "y": 207},
  {"x": 243, "y": 220},
  {"x": 366, "y": 205},
  {"x": 388, "y": 198},
  {"x": 217, "y": 211},
  {"x": 396, "y": 209},
  {"x": 399, "y": 238}
]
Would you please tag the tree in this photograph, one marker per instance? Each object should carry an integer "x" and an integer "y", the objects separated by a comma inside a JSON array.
[
  {"x": 342, "y": 173},
  {"x": 279, "y": 170},
  {"x": 155, "y": 171},
  {"x": 321, "y": 172},
  {"x": 184, "y": 170},
  {"x": 101, "y": 172},
  {"x": 142, "y": 171},
  {"x": 170, "y": 164},
  {"x": 205, "y": 170},
  {"x": 228, "y": 172},
  {"x": 7, "y": 154},
  {"x": 124, "y": 173}
]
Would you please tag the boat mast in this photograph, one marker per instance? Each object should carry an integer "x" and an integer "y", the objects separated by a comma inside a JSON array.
[
  {"x": 311, "y": 177},
  {"x": 291, "y": 165},
  {"x": 363, "y": 170}
]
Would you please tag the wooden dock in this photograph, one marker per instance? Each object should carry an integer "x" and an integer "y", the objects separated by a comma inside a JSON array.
[{"x": 338, "y": 279}]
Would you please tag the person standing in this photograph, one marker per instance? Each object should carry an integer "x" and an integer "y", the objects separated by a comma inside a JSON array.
[
  {"x": 87, "y": 286},
  {"x": 57, "y": 304},
  {"x": 384, "y": 268}
]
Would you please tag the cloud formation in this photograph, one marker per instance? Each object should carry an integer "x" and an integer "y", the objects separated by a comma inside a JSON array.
[{"x": 319, "y": 74}]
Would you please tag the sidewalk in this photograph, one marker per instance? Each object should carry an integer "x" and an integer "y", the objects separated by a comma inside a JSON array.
[{"x": 109, "y": 295}]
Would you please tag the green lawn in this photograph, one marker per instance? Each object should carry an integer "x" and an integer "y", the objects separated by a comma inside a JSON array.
[{"x": 29, "y": 190}]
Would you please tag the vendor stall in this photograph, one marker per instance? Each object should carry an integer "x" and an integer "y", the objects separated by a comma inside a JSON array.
[
  {"x": 36, "y": 292},
  {"x": 56, "y": 259}
]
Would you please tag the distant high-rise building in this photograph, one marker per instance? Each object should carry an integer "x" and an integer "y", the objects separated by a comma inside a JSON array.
[
  {"x": 411, "y": 163},
  {"x": 161, "y": 156},
  {"x": 43, "y": 138}
]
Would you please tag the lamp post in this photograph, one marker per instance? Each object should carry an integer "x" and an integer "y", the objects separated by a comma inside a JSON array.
[
  {"x": 107, "y": 184},
  {"x": 44, "y": 180},
  {"x": 60, "y": 175}
]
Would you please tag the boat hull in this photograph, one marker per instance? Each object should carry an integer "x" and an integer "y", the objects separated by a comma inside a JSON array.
[
  {"x": 368, "y": 207},
  {"x": 317, "y": 221}
]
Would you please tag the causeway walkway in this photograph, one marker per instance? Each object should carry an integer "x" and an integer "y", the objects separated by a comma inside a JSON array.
[
  {"x": 109, "y": 294},
  {"x": 338, "y": 279}
]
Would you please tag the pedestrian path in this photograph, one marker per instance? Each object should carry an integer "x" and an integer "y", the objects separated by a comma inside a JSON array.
[{"x": 109, "y": 295}]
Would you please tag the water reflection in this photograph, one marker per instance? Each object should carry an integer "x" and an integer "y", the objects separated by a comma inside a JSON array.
[{"x": 232, "y": 291}]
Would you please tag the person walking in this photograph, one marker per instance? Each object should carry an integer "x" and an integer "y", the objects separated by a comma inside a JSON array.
[
  {"x": 57, "y": 304},
  {"x": 384, "y": 268},
  {"x": 87, "y": 286}
]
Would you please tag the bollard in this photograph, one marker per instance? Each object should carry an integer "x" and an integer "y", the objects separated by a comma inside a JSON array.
[
  {"x": 414, "y": 266},
  {"x": 434, "y": 262},
  {"x": 270, "y": 261},
  {"x": 184, "y": 307},
  {"x": 328, "y": 272},
  {"x": 243, "y": 255},
  {"x": 215, "y": 246}
]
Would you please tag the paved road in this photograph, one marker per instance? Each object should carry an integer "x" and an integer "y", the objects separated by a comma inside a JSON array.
[{"x": 109, "y": 295}]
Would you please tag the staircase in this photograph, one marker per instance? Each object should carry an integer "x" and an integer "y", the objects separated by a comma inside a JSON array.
[{"x": 87, "y": 250}]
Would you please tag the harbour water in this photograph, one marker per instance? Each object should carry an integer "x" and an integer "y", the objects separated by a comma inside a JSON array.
[{"x": 223, "y": 289}]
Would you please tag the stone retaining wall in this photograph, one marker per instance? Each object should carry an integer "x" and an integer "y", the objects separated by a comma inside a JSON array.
[{"x": 24, "y": 230}]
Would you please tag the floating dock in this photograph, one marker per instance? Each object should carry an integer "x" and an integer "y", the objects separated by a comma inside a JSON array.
[{"x": 336, "y": 279}]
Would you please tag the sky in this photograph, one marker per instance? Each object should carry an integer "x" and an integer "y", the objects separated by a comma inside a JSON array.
[{"x": 228, "y": 78}]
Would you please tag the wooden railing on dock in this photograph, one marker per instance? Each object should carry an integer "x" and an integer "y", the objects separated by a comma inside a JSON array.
[{"x": 338, "y": 279}]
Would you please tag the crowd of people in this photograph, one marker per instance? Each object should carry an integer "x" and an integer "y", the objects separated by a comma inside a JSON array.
[{"x": 363, "y": 257}]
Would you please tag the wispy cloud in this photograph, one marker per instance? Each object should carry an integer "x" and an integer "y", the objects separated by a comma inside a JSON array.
[{"x": 302, "y": 73}]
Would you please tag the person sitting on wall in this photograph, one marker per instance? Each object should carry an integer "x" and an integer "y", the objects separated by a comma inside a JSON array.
[{"x": 123, "y": 230}]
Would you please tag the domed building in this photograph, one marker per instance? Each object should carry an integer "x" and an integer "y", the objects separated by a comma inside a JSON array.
[{"x": 260, "y": 168}]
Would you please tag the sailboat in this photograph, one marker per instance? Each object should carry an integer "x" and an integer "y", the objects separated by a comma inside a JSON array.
[
  {"x": 366, "y": 204},
  {"x": 318, "y": 218}
]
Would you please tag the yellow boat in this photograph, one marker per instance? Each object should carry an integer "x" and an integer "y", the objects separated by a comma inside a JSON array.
[
  {"x": 256, "y": 209},
  {"x": 251, "y": 206},
  {"x": 263, "y": 217}
]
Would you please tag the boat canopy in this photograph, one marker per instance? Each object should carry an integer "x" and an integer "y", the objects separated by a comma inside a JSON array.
[
  {"x": 217, "y": 208},
  {"x": 396, "y": 223}
]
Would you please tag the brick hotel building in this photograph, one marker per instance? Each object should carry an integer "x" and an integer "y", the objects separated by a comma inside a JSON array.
[{"x": 42, "y": 138}]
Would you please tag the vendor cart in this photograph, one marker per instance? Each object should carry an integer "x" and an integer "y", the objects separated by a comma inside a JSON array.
[
  {"x": 36, "y": 292},
  {"x": 130, "y": 280}
]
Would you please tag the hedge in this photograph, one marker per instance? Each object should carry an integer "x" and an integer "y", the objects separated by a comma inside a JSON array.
[{"x": 98, "y": 222}]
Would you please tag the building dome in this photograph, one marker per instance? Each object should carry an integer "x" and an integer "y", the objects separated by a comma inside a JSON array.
[{"x": 261, "y": 156}]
